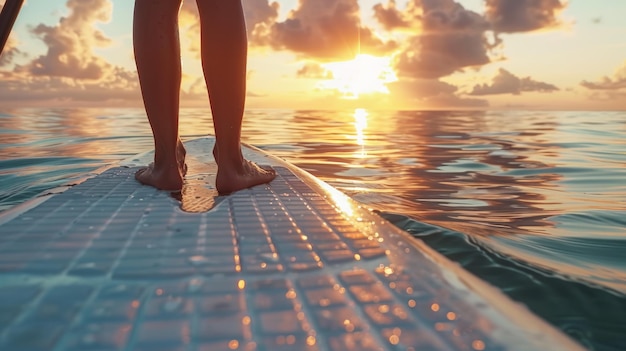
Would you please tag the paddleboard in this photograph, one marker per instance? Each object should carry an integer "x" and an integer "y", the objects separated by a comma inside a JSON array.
[{"x": 110, "y": 264}]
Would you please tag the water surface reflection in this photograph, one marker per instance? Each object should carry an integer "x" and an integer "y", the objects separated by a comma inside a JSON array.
[
  {"x": 524, "y": 183},
  {"x": 544, "y": 187}
]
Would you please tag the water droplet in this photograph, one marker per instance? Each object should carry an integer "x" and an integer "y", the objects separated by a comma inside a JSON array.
[{"x": 270, "y": 257}]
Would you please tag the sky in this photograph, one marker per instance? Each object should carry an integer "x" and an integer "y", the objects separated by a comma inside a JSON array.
[{"x": 329, "y": 54}]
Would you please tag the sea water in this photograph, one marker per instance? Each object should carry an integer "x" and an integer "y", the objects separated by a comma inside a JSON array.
[{"x": 533, "y": 202}]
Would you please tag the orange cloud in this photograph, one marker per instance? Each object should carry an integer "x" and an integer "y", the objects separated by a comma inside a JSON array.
[
  {"x": 509, "y": 16},
  {"x": 507, "y": 83},
  {"x": 451, "y": 39},
  {"x": 70, "y": 71},
  {"x": 10, "y": 51},
  {"x": 609, "y": 88},
  {"x": 448, "y": 38},
  {"x": 390, "y": 17},
  {"x": 445, "y": 38},
  {"x": 314, "y": 70},
  {"x": 617, "y": 82},
  {"x": 71, "y": 41},
  {"x": 431, "y": 93},
  {"x": 327, "y": 30},
  {"x": 442, "y": 37},
  {"x": 259, "y": 14}
]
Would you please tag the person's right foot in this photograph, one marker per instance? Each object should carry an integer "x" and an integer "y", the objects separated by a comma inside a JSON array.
[{"x": 231, "y": 179}]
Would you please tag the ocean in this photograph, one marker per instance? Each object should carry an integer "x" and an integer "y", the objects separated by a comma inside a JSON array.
[{"x": 534, "y": 202}]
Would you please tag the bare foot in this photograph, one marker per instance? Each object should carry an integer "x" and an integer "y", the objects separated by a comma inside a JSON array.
[
  {"x": 166, "y": 176},
  {"x": 231, "y": 179}
]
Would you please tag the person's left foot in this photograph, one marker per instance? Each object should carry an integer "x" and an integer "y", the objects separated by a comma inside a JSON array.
[{"x": 166, "y": 175}]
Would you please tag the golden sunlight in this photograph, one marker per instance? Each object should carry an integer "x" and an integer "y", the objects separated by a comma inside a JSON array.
[
  {"x": 360, "y": 123},
  {"x": 365, "y": 74}
]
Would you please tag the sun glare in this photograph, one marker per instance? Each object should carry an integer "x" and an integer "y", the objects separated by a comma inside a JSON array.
[
  {"x": 360, "y": 124},
  {"x": 366, "y": 74}
]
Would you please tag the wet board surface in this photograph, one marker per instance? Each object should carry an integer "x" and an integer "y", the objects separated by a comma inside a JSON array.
[{"x": 109, "y": 264}]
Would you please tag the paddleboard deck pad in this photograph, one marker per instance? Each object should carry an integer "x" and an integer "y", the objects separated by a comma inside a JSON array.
[{"x": 109, "y": 264}]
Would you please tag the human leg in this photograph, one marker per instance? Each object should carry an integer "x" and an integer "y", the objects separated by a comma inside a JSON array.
[
  {"x": 224, "y": 56},
  {"x": 157, "y": 55}
]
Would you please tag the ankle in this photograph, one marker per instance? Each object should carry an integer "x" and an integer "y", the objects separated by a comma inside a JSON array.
[{"x": 230, "y": 160}]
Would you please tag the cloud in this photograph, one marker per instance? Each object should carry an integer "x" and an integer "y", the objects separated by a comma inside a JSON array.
[
  {"x": 390, "y": 17},
  {"x": 69, "y": 70},
  {"x": 447, "y": 38},
  {"x": 71, "y": 41},
  {"x": 259, "y": 14},
  {"x": 451, "y": 39},
  {"x": 442, "y": 37},
  {"x": 609, "y": 89},
  {"x": 314, "y": 70},
  {"x": 320, "y": 28},
  {"x": 10, "y": 52},
  {"x": 510, "y": 16},
  {"x": 507, "y": 83},
  {"x": 432, "y": 93},
  {"x": 120, "y": 85},
  {"x": 327, "y": 30},
  {"x": 617, "y": 82},
  {"x": 422, "y": 88}
]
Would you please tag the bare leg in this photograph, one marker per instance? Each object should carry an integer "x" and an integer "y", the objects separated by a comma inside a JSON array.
[
  {"x": 224, "y": 55},
  {"x": 157, "y": 54}
]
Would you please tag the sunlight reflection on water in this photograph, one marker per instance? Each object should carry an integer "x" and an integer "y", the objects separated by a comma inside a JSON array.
[{"x": 506, "y": 178}]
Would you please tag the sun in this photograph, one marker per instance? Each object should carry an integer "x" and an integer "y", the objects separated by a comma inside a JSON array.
[{"x": 365, "y": 74}]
